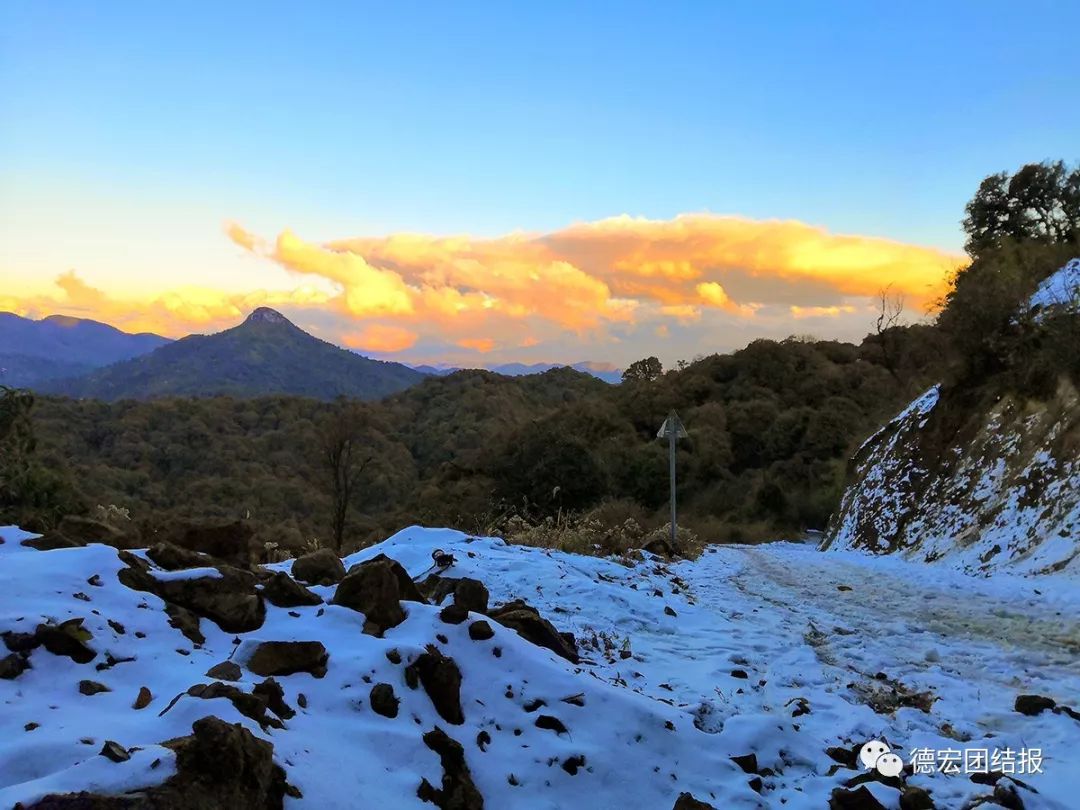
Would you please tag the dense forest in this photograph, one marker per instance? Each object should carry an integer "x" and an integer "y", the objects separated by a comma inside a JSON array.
[{"x": 562, "y": 458}]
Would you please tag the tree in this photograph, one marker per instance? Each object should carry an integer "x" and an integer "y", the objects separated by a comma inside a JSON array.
[
  {"x": 340, "y": 438},
  {"x": 645, "y": 370},
  {"x": 890, "y": 310},
  {"x": 1040, "y": 202}
]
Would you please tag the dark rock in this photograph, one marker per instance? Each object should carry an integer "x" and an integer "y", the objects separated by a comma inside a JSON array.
[
  {"x": 453, "y": 614},
  {"x": 408, "y": 589},
  {"x": 271, "y": 691},
  {"x": 471, "y": 595},
  {"x": 114, "y": 751},
  {"x": 670, "y": 611},
  {"x": 480, "y": 630},
  {"x": 572, "y": 764},
  {"x": 458, "y": 792},
  {"x": 143, "y": 699},
  {"x": 527, "y": 622},
  {"x": 374, "y": 588},
  {"x": 186, "y": 622},
  {"x": 383, "y": 700},
  {"x": 13, "y": 665},
  {"x": 230, "y": 600},
  {"x": 739, "y": 673},
  {"x": 687, "y": 802},
  {"x": 50, "y": 542},
  {"x": 1032, "y": 705},
  {"x": 174, "y": 558},
  {"x": 92, "y": 688},
  {"x": 284, "y": 591},
  {"x": 117, "y": 628},
  {"x": 441, "y": 679},
  {"x": 662, "y": 547},
  {"x": 68, "y": 638},
  {"x": 75, "y": 531},
  {"x": 301, "y": 700},
  {"x": 748, "y": 763},
  {"x": 250, "y": 705},
  {"x": 289, "y": 657},
  {"x": 550, "y": 723},
  {"x": 858, "y": 799},
  {"x": 848, "y": 757},
  {"x": 225, "y": 671},
  {"x": 393, "y": 656},
  {"x": 915, "y": 798},
  {"x": 20, "y": 642},
  {"x": 322, "y": 567},
  {"x": 1006, "y": 796},
  {"x": 233, "y": 542}
]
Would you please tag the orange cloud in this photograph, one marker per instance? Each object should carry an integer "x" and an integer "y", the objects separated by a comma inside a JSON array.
[
  {"x": 380, "y": 338},
  {"x": 482, "y": 345},
  {"x": 820, "y": 312}
]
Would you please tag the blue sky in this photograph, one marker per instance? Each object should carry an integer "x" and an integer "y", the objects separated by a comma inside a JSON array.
[{"x": 133, "y": 130}]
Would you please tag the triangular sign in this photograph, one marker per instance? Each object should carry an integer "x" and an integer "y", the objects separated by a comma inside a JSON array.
[{"x": 672, "y": 425}]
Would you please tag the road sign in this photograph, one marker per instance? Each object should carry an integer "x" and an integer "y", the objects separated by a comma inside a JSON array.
[{"x": 672, "y": 430}]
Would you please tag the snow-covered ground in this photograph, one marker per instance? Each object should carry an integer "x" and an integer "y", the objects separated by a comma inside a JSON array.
[{"x": 777, "y": 650}]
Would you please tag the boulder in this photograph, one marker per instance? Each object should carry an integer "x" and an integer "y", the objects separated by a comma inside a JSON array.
[
  {"x": 252, "y": 706},
  {"x": 458, "y": 792},
  {"x": 480, "y": 630},
  {"x": 92, "y": 688},
  {"x": 322, "y": 567},
  {"x": 915, "y": 798},
  {"x": 186, "y": 622},
  {"x": 271, "y": 691},
  {"x": 75, "y": 530},
  {"x": 288, "y": 657},
  {"x": 471, "y": 594},
  {"x": 174, "y": 558},
  {"x": 383, "y": 700},
  {"x": 233, "y": 542},
  {"x": 13, "y": 665},
  {"x": 527, "y": 622},
  {"x": 284, "y": 591},
  {"x": 375, "y": 588},
  {"x": 114, "y": 751},
  {"x": 1032, "y": 705},
  {"x": 441, "y": 679},
  {"x": 859, "y": 799},
  {"x": 143, "y": 699},
  {"x": 67, "y": 638},
  {"x": 229, "y": 599},
  {"x": 225, "y": 671},
  {"x": 686, "y": 801}
]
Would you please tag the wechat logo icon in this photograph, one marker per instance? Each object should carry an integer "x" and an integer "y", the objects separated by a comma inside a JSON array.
[{"x": 876, "y": 755}]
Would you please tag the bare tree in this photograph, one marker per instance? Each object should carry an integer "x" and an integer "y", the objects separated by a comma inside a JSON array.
[
  {"x": 340, "y": 440},
  {"x": 890, "y": 315}
]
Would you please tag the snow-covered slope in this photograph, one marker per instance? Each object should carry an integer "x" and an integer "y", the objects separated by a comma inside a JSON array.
[
  {"x": 1062, "y": 289},
  {"x": 778, "y": 651},
  {"x": 981, "y": 489}
]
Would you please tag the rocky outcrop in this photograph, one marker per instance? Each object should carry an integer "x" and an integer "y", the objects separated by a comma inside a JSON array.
[
  {"x": 284, "y": 591},
  {"x": 441, "y": 679},
  {"x": 233, "y": 542},
  {"x": 527, "y": 622},
  {"x": 288, "y": 658},
  {"x": 322, "y": 567},
  {"x": 458, "y": 792},
  {"x": 376, "y": 588},
  {"x": 981, "y": 481}
]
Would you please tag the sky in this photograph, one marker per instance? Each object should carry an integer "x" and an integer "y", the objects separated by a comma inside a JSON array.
[{"x": 476, "y": 183}]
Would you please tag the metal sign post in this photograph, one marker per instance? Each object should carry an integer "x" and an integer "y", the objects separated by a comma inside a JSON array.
[{"x": 672, "y": 430}]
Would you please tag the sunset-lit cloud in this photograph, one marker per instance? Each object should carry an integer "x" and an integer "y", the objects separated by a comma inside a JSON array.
[{"x": 611, "y": 285}]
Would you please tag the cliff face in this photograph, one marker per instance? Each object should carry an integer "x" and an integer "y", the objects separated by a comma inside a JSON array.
[{"x": 981, "y": 486}]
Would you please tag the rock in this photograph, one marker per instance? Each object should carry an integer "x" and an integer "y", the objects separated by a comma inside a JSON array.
[
  {"x": 572, "y": 764},
  {"x": 748, "y": 763},
  {"x": 1006, "y": 796},
  {"x": 252, "y": 706},
  {"x": 383, "y": 700},
  {"x": 114, "y": 751},
  {"x": 284, "y": 591},
  {"x": 322, "y": 567},
  {"x": 471, "y": 595},
  {"x": 480, "y": 631},
  {"x": 13, "y": 665},
  {"x": 174, "y": 558},
  {"x": 858, "y": 799},
  {"x": 50, "y": 542},
  {"x": 453, "y": 614},
  {"x": 662, "y": 547},
  {"x": 143, "y": 700},
  {"x": 186, "y": 622},
  {"x": 92, "y": 688},
  {"x": 550, "y": 723},
  {"x": 1032, "y": 705},
  {"x": 271, "y": 691},
  {"x": 74, "y": 531},
  {"x": 20, "y": 642},
  {"x": 225, "y": 671},
  {"x": 527, "y": 622},
  {"x": 68, "y": 638},
  {"x": 739, "y": 673},
  {"x": 915, "y": 798},
  {"x": 441, "y": 679},
  {"x": 230, "y": 599},
  {"x": 687, "y": 802},
  {"x": 374, "y": 588},
  {"x": 233, "y": 542},
  {"x": 289, "y": 657},
  {"x": 458, "y": 792}
]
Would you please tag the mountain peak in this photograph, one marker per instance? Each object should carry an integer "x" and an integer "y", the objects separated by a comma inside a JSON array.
[{"x": 267, "y": 315}]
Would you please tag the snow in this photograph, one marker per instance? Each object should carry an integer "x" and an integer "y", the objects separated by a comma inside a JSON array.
[
  {"x": 773, "y": 611},
  {"x": 1060, "y": 289}
]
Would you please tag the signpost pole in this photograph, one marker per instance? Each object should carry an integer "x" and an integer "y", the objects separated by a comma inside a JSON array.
[{"x": 672, "y": 437}]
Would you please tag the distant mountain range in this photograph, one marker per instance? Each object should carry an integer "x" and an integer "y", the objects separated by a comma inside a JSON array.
[
  {"x": 56, "y": 347},
  {"x": 602, "y": 371},
  {"x": 266, "y": 354}
]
